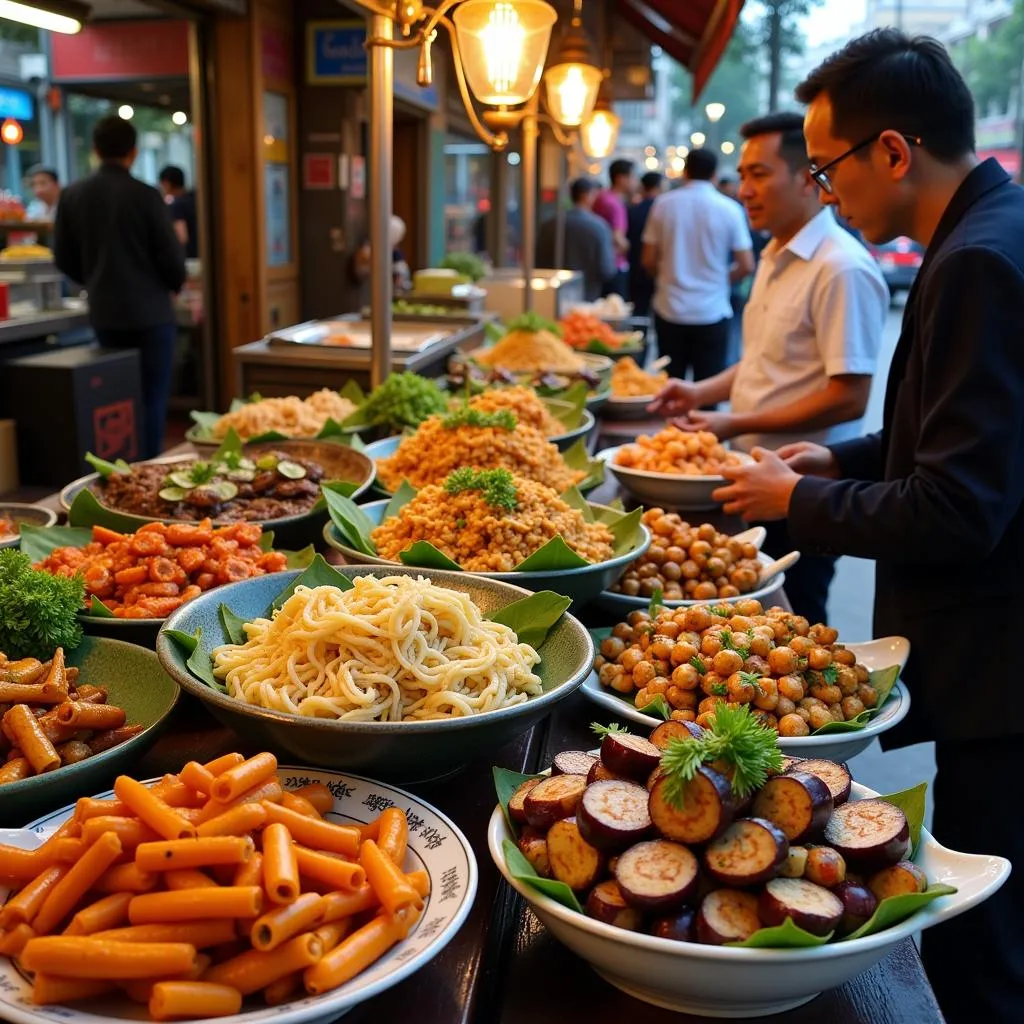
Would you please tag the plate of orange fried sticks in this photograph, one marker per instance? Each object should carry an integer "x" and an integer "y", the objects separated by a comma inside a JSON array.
[{"x": 238, "y": 888}]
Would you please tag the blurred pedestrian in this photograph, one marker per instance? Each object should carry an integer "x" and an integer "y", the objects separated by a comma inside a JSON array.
[
  {"x": 641, "y": 284},
  {"x": 611, "y": 206},
  {"x": 696, "y": 244},
  {"x": 45, "y": 186},
  {"x": 182, "y": 204}
]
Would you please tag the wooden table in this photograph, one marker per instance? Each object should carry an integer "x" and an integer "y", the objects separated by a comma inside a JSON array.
[{"x": 503, "y": 967}]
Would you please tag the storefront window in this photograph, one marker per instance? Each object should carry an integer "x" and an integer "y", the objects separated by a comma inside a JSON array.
[
  {"x": 467, "y": 192},
  {"x": 19, "y": 105}
]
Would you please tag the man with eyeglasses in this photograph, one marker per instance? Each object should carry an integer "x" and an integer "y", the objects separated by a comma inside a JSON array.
[{"x": 936, "y": 498}]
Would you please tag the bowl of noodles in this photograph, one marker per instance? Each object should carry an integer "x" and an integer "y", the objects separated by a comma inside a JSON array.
[
  {"x": 403, "y": 674},
  {"x": 495, "y": 525},
  {"x": 319, "y": 416},
  {"x": 480, "y": 440}
]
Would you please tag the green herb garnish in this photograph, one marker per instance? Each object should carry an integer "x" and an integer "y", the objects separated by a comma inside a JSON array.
[
  {"x": 497, "y": 486},
  {"x": 467, "y": 417},
  {"x": 733, "y": 735},
  {"x": 605, "y": 730},
  {"x": 466, "y": 263},
  {"x": 460, "y": 523},
  {"x": 698, "y": 663},
  {"x": 656, "y": 602},
  {"x": 752, "y": 679},
  {"x": 403, "y": 400},
  {"x": 719, "y": 690},
  {"x": 38, "y": 612},
  {"x": 830, "y": 674},
  {"x": 532, "y": 322}
]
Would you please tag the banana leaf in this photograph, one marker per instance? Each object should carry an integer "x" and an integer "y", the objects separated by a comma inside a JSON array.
[
  {"x": 198, "y": 661},
  {"x": 783, "y": 936},
  {"x": 232, "y": 625},
  {"x": 569, "y": 406},
  {"x": 354, "y": 525},
  {"x": 883, "y": 680},
  {"x": 405, "y": 493},
  {"x": 531, "y": 618},
  {"x": 520, "y": 868},
  {"x": 578, "y": 458},
  {"x": 424, "y": 555}
]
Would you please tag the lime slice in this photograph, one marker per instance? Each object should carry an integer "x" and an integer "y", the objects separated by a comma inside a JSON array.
[
  {"x": 173, "y": 493},
  {"x": 266, "y": 462},
  {"x": 242, "y": 475},
  {"x": 225, "y": 490},
  {"x": 246, "y": 464},
  {"x": 181, "y": 479},
  {"x": 292, "y": 470}
]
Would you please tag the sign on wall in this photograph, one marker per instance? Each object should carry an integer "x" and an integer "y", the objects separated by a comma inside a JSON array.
[
  {"x": 335, "y": 54},
  {"x": 17, "y": 104}
]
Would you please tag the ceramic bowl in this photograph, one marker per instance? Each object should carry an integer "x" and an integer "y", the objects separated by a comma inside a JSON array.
[
  {"x": 668, "y": 490},
  {"x": 727, "y": 982},
  {"x": 18, "y": 513},
  {"x": 633, "y": 408},
  {"x": 583, "y": 585},
  {"x": 290, "y": 532},
  {"x": 437, "y": 847},
  {"x": 407, "y": 751},
  {"x": 136, "y": 682},
  {"x": 836, "y": 746}
]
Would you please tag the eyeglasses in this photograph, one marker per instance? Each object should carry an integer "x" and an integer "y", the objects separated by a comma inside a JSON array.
[{"x": 820, "y": 174}]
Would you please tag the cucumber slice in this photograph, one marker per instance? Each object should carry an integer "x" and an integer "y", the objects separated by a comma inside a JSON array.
[
  {"x": 173, "y": 493},
  {"x": 225, "y": 490},
  {"x": 242, "y": 475},
  {"x": 181, "y": 479},
  {"x": 292, "y": 470}
]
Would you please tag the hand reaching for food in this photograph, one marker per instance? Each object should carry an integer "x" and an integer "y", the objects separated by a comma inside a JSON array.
[
  {"x": 676, "y": 398},
  {"x": 810, "y": 459}
]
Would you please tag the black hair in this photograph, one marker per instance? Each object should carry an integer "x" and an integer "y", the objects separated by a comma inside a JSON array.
[
  {"x": 174, "y": 176},
  {"x": 619, "y": 169},
  {"x": 701, "y": 165},
  {"x": 889, "y": 80},
  {"x": 113, "y": 138},
  {"x": 41, "y": 169},
  {"x": 582, "y": 187},
  {"x": 652, "y": 179},
  {"x": 790, "y": 127}
]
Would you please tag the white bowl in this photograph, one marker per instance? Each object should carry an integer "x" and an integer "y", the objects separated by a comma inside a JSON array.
[
  {"x": 723, "y": 981},
  {"x": 837, "y": 746},
  {"x": 668, "y": 490},
  {"x": 436, "y": 846},
  {"x": 634, "y": 408}
]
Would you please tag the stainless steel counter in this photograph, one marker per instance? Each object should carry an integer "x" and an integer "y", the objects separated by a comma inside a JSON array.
[{"x": 40, "y": 325}]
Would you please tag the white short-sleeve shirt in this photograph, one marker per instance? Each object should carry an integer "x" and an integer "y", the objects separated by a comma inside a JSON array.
[
  {"x": 696, "y": 230},
  {"x": 817, "y": 308}
]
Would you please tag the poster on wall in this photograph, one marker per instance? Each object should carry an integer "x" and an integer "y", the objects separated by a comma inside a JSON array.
[
  {"x": 357, "y": 184},
  {"x": 318, "y": 171},
  {"x": 275, "y": 127},
  {"x": 278, "y": 215}
]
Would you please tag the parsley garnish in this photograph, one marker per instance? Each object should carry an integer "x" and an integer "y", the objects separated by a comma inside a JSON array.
[
  {"x": 605, "y": 730},
  {"x": 460, "y": 524},
  {"x": 830, "y": 674},
  {"x": 719, "y": 690},
  {"x": 753, "y": 679},
  {"x": 466, "y": 417},
  {"x": 698, "y": 663},
  {"x": 733, "y": 735},
  {"x": 497, "y": 486},
  {"x": 532, "y": 322}
]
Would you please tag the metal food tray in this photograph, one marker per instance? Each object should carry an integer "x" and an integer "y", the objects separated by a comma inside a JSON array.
[{"x": 405, "y": 337}]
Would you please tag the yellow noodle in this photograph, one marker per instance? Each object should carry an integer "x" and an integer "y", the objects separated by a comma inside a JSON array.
[{"x": 391, "y": 649}]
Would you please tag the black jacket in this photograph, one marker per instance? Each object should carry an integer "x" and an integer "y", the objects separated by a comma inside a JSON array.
[
  {"x": 114, "y": 235},
  {"x": 935, "y": 497}
]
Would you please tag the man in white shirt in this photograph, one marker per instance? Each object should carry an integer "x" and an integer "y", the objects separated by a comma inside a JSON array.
[
  {"x": 696, "y": 245},
  {"x": 811, "y": 331}
]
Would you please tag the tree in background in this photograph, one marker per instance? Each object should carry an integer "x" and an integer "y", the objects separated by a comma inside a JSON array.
[
  {"x": 994, "y": 66},
  {"x": 782, "y": 37}
]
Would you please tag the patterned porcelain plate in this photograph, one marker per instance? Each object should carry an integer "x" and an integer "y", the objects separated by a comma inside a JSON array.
[{"x": 435, "y": 845}]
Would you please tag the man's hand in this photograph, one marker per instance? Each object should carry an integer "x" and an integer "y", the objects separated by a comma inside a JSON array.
[
  {"x": 809, "y": 459},
  {"x": 760, "y": 491},
  {"x": 722, "y": 424},
  {"x": 676, "y": 398}
]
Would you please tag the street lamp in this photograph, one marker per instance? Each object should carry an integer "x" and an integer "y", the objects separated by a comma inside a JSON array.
[
  {"x": 573, "y": 77},
  {"x": 698, "y": 139},
  {"x": 600, "y": 131},
  {"x": 715, "y": 112},
  {"x": 728, "y": 148}
]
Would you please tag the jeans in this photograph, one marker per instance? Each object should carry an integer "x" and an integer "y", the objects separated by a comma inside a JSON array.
[
  {"x": 703, "y": 348},
  {"x": 808, "y": 581},
  {"x": 156, "y": 362}
]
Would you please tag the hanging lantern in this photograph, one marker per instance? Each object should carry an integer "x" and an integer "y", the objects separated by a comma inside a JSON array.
[
  {"x": 11, "y": 132},
  {"x": 600, "y": 132},
  {"x": 573, "y": 77}
]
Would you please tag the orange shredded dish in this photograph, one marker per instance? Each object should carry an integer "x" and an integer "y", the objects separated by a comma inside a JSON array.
[{"x": 150, "y": 573}]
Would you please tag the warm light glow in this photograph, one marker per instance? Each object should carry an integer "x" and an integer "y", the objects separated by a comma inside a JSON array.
[
  {"x": 513, "y": 159},
  {"x": 728, "y": 148},
  {"x": 503, "y": 46},
  {"x": 678, "y": 163},
  {"x": 683, "y": 151},
  {"x": 571, "y": 91},
  {"x": 649, "y": 151},
  {"x": 698, "y": 138},
  {"x": 594, "y": 168},
  {"x": 670, "y": 152},
  {"x": 599, "y": 133},
  {"x": 651, "y": 163},
  {"x": 179, "y": 117},
  {"x": 715, "y": 112},
  {"x": 11, "y": 132},
  {"x": 25, "y": 15},
  {"x": 126, "y": 111}
]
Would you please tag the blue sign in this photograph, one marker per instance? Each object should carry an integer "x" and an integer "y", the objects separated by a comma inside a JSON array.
[
  {"x": 335, "y": 52},
  {"x": 17, "y": 104}
]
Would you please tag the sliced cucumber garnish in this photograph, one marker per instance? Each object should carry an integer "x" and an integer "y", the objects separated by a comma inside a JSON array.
[
  {"x": 173, "y": 493},
  {"x": 292, "y": 470},
  {"x": 242, "y": 475},
  {"x": 181, "y": 479}
]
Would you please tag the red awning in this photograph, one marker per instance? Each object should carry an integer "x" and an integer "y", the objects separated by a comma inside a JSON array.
[{"x": 695, "y": 32}]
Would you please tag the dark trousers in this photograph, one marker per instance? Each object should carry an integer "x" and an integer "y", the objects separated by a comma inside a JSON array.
[
  {"x": 618, "y": 285},
  {"x": 808, "y": 581},
  {"x": 156, "y": 360},
  {"x": 976, "y": 962},
  {"x": 702, "y": 348}
]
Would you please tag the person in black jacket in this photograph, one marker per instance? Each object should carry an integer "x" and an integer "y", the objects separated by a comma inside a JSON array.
[
  {"x": 114, "y": 235},
  {"x": 936, "y": 498}
]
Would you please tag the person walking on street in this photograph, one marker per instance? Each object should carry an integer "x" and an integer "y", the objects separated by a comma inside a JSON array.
[
  {"x": 113, "y": 235},
  {"x": 588, "y": 241},
  {"x": 936, "y": 497},
  {"x": 811, "y": 332},
  {"x": 611, "y": 206},
  {"x": 641, "y": 284},
  {"x": 182, "y": 204},
  {"x": 696, "y": 244}
]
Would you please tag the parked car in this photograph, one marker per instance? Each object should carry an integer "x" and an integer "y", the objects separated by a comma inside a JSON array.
[{"x": 899, "y": 261}]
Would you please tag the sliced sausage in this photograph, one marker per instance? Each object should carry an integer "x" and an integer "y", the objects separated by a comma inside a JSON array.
[
  {"x": 859, "y": 904},
  {"x": 835, "y": 775},
  {"x": 657, "y": 875},
  {"x": 748, "y": 852},
  {"x": 870, "y": 834},
  {"x": 629, "y": 755},
  {"x": 516, "y": 810},
  {"x": 811, "y": 907},
  {"x": 606, "y": 903},
  {"x": 665, "y": 733},
  {"x": 897, "y": 880},
  {"x": 533, "y": 846},
  {"x": 573, "y": 860},
  {"x": 552, "y": 799},
  {"x": 798, "y": 803},
  {"x": 613, "y": 814},
  {"x": 727, "y": 915},
  {"x": 572, "y": 762},
  {"x": 706, "y": 809}
]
